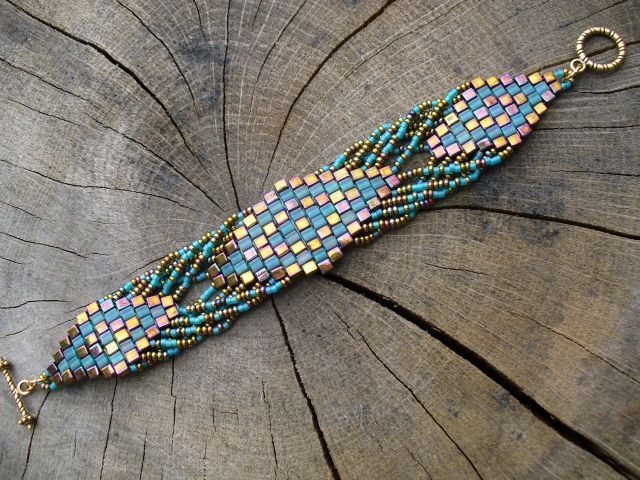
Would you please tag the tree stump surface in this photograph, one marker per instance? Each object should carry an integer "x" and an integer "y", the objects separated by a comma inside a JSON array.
[{"x": 494, "y": 337}]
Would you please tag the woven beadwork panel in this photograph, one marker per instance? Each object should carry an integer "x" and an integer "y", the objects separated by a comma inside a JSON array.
[
  {"x": 109, "y": 337},
  {"x": 494, "y": 113},
  {"x": 302, "y": 226}
]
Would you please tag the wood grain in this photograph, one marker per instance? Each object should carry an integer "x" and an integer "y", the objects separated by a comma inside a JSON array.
[{"x": 495, "y": 337}]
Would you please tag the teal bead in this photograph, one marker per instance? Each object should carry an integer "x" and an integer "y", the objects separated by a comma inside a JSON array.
[{"x": 451, "y": 95}]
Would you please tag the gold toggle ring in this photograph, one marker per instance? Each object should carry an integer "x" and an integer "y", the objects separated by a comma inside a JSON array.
[{"x": 601, "y": 32}]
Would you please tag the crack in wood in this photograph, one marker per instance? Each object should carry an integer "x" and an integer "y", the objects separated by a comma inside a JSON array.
[
  {"x": 41, "y": 112},
  {"x": 603, "y": 92},
  {"x": 164, "y": 160},
  {"x": 33, "y": 242},
  {"x": 566, "y": 60},
  {"x": 224, "y": 106},
  {"x": 11, "y": 261},
  {"x": 419, "y": 463},
  {"x": 75, "y": 442},
  {"x": 400, "y": 37},
  {"x": 20, "y": 209},
  {"x": 56, "y": 325},
  {"x": 575, "y": 342},
  {"x": 106, "y": 441},
  {"x": 592, "y": 172},
  {"x": 593, "y": 14},
  {"x": 273, "y": 445},
  {"x": 195, "y": 3},
  {"x": 333, "y": 51},
  {"x": 458, "y": 269},
  {"x": 227, "y": 412},
  {"x": 147, "y": 264},
  {"x": 144, "y": 453},
  {"x": 173, "y": 58},
  {"x": 13, "y": 333},
  {"x": 424, "y": 407},
  {"x": 582, "y": 440},
  {"x": 273, "y": 45},
  {"x": 347, "y": 326},
  {"x": 51, "y": 84},
  {"x": 253, "y": 22},
  {"x": 93, "y": 187},
  {"x": 27, "y": 302},
  {"x": 314, "y": 416},
  {"x": 116, "y": 63},
  {"x": 175, "y": 401},
  {"x": 542, "y": 218},
  {"x": 587, "y": 127},
  {"x": 375, "y": 439},
  {"x": 33, "y": 430},
  {"x": 204, "y": 460},
  {"x": 213, "y": 417}
]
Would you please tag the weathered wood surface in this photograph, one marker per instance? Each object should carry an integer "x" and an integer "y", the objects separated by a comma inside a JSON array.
[{"x": 496, "y": 336}]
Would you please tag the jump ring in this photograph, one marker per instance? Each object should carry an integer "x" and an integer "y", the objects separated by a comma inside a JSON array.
[
  {"x": 578, "y": 65},
  {"x": 24, "y": 391}
]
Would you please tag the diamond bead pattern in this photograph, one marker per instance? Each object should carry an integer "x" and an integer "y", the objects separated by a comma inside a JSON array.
[
  {"x": 494, "y": 113},
  {"x": 302, "y": 226},
  {"x": 108, "y": 337}
]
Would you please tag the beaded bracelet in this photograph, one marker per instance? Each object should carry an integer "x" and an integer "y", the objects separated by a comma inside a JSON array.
[{"x": 305, "y": 224}]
